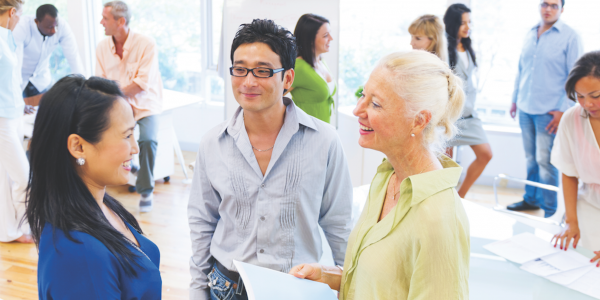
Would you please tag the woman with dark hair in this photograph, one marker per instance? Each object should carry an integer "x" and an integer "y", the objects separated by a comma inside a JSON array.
[
  {"x": 461, "y": 59},
  {"x": 90, "y": 247},
  {"x": 313, "y": 86},
  {"x": 576, "y": 153}
]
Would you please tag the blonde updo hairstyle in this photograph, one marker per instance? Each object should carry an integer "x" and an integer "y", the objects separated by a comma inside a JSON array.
[
  {"x": 431, "y": 27},
  {"x": 6, "y": 5},
  {"x": 425, "y": 82}
]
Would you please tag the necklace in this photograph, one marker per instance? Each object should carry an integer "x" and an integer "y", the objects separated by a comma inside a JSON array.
[
  {"x": 394, "y": 186},
  {"x": 259, "y": 150}
]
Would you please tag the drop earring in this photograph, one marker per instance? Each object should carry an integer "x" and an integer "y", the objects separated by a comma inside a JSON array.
[
  {"x": 81, "y": 161},
  {"x": 412, "y": 134}
]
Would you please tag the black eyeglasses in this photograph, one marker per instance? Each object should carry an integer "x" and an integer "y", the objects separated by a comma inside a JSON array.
[
  {"x": 546, "y": 5},
  {"x": 257, "y": 72}
]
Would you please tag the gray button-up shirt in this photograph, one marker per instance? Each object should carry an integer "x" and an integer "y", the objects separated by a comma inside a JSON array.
[{"x": 235, "y": 212}]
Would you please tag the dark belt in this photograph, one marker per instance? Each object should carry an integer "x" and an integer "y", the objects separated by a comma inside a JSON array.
[
  {"x": 468, "y": 117},
  {"x": 234, "y": 276}
]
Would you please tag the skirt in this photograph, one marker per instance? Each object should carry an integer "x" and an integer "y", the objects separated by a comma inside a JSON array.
[{"x": 470, "y": 133}]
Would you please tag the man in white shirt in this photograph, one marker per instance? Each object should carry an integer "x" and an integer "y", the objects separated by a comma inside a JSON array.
[{"x": 36, "y": 38}]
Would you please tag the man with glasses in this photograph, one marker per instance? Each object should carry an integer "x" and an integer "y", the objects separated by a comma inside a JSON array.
[
  {"x": 37, "y": 37},
  {"x": 266, "y": 179},
  {"x": 551, "y": 49}
]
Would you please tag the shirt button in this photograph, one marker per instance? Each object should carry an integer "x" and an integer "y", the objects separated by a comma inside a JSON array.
[
  {"x": 262, "y": 185},
  {"x": 262, "y": 218},
  {"x": 261, "y": 251}
]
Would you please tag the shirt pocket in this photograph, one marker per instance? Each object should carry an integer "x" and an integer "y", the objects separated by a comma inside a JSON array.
[{"x": 131, "y": 70}]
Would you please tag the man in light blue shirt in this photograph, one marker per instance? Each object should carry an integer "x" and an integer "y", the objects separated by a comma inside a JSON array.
[
  {"x": 265, "y": 180},
  {"x": 551, "y": 49}
]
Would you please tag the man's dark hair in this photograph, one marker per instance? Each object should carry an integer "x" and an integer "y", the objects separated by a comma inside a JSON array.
[
  {"x": 306, "y": 31},
  {"x": 46, "y": 9},
  {"x": 281, "y": 40}
]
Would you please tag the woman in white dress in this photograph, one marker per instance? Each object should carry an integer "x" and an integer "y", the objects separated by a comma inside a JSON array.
[
  {"x": 576, "y": 153},
  {"x": 14, "y": 168}
]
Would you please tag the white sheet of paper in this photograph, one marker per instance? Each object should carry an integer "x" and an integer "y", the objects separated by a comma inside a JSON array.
[
  {"x": 568, "y": 277},
  {"x": 266, "y": 284},
  {"x": 589, "y": 283},
  {"x": 555, "y": 263},
  {"x": 522, "y": 248}
]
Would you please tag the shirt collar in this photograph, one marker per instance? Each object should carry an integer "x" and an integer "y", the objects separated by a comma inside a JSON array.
[
  {"x": 294, "y": 117},
  {"x": 558, "y": 25},
  {"x": 125, "y": 46},
  {"x": 427, "y": 184}
]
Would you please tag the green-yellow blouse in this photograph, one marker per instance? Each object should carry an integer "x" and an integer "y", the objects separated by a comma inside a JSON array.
[
  {"x": 310, "y": 91},
  {"x": 420, "y": 250}
]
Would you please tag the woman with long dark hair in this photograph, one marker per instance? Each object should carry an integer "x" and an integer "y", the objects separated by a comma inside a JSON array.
[
  {"x": 462, "y": 60},
  {"x": 90, "y": 247},
  {"x": 313, "y": 86}
]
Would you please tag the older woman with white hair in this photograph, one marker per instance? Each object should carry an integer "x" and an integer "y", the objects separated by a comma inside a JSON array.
[{"x": 412, "y": 239}]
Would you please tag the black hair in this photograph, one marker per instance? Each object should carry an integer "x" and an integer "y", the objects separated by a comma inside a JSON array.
[
  {"x": 46, "y": 9},
  {"x": 56, "y": 194},
  {"x": 587, "y": 65},
  {"x": 305, "y": 32},
  {"x": 279, "y": 39},
  {"x": 453, "y": 21}
]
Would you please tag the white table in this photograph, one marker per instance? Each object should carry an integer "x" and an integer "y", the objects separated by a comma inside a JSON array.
[{"x": 492, "y": 277}]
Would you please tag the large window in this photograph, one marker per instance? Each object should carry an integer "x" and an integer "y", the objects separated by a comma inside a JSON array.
[
  {"x": 177, "y": 28},
  {"x": 369, "y": 30},
  {"x": 59, "y": 67},
  {"x": 499, "y": 29}
]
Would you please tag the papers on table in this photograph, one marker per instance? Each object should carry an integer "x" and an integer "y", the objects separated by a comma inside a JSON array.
[
  {"x": 266, "y": 284},
  {"x": 521, "y": 248},
  {"x": 568, "y": 268}
]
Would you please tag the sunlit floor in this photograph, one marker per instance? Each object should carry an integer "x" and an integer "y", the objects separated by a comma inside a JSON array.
[{"x": 167, "y": 226}]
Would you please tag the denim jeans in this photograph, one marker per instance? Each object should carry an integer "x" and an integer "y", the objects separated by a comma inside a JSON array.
[
  {"x": 221, "y": 287},
  {"x": 148, "y": 142},
  {"x": 538, "y": 143},
  {"x": 30, "y": 91}
]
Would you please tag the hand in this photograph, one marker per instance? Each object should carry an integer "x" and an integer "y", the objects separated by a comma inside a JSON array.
[
  {"x": 571, "y": 231},
  {"x": 597, "y": 257},
  {"x": 553, "y": 125},
  {"x": 29, "y": 109},
  {"x": 331, "y": 276},
  {"x": 312, "y": 272},
  {"x": 513, "y": 110}
]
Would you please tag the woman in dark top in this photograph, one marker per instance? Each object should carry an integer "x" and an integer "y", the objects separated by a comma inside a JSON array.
[{"x": 90, "y": 247}]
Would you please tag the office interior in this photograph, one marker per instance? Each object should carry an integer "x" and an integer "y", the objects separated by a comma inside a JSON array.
[{"x": 193, "y": 39}]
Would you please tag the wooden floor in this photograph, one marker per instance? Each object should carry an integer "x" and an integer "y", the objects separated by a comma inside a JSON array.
[{"x": 167, "y": 226}]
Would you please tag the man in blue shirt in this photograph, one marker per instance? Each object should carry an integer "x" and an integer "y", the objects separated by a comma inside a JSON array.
[{"x": 549, "y": 52}]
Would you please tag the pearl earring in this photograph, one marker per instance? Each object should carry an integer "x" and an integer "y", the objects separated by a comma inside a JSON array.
[
  {"x": 412, "y": 134},
  {"x": 81, "y": 161}
]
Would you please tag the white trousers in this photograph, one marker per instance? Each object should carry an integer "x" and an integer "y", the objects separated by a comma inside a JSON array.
[
  {"x": 588, "y": 217},
  {"x": 14, "y": 175}
]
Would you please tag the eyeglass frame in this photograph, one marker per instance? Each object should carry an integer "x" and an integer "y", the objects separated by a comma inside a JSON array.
[
  {"x": 545, "y": 5},
  {"x": 271, "y": 71}
]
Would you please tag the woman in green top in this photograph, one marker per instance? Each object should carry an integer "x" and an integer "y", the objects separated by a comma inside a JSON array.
[
  {"x": 313, "y": 86},
  {"x": 412, "y": 238}
]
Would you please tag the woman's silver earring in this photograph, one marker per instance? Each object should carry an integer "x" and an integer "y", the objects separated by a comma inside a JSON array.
[
  {"x": 412, "y": 134},
  {"x": 81, "y": 161}
]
